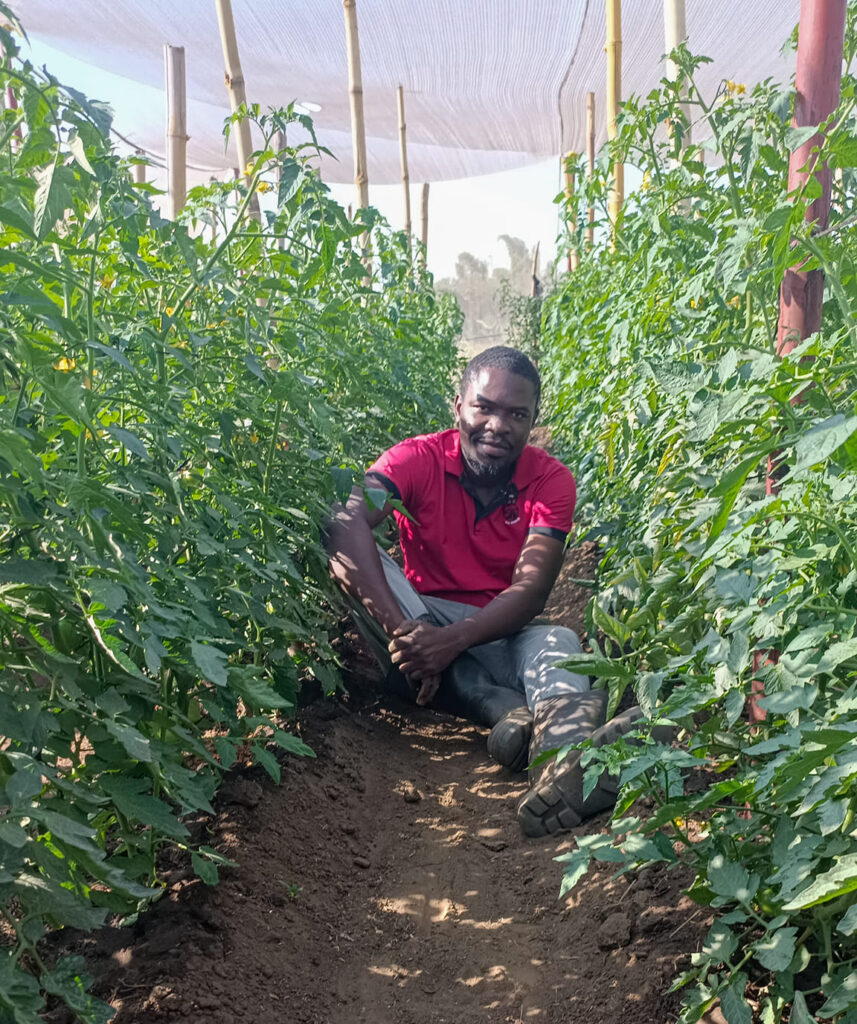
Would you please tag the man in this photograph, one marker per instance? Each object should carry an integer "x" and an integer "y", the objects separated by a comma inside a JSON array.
[{"x": 483, "y": 520}]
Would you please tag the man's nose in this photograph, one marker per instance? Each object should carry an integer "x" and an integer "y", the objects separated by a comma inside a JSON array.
[{"x": 497, "y": 423}]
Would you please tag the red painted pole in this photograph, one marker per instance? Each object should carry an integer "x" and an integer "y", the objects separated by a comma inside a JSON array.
[{"x": 821, "y": 37}]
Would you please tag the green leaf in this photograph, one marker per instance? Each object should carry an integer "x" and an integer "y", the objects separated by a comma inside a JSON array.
[
  {"x": 848, "y": 922},
  {"x": 50, "y": 200},
  {"x": 842, "y": 995},
  {"x": 211, "y": 662},
  {"x": 735, "y": 1007},
  {"x": 131, "y": 442},
  {"x": 775, "y": 952},
  {"x": 838, "y": 880},
  {"x": 795, "y": 138},
  {"x": 134, "y": 742},
  {"x": 727, "y": 878},
  {"x": 23, "y": 786},
  {"x": 293, "y": 744},
  {"x": 727, "y": 490},
  {"x": 206, "y": 869},
  {"x": 800, "y": 1012},
  {"x": 70, "y": 981},
  {"x": 134, "y": 800},
  {"x": 267, "y": 760},
  {"x": 822, "y": 440},
  {"x": 720, "y": 943},
  {"x": 836, "y": 654}
]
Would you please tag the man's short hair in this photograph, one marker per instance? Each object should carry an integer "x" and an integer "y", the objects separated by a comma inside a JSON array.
[{"x": 502, "y": 357}]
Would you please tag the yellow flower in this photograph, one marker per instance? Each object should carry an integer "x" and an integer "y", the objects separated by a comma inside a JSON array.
[
  {"x": 254, "y": 437},
  {"x": 735, "y": 301},
  {"x": 64, "y": 364},
  {"x": 735, "y": 88},
  {"x": 263, "y": 186},
  {"x": 647, "y": 180},
  {"x": 693, "y": 303},
  {"x": 249, "y": 168},
  {"x": 169, "y": 310}
]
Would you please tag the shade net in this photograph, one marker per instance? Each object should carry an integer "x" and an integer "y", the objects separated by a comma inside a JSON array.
[{"x": 489, "y": 84}]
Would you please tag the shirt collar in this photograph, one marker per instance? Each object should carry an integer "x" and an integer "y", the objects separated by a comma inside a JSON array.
[{"x": 525, "y": 470}]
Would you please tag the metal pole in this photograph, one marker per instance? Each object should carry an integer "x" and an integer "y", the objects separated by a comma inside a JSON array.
[
  {"x": 176, "y": 128},
  {"x": 821, "y": 36},
  {"x": 140, "y": 169},
  {"x": 614, "y": 92}
]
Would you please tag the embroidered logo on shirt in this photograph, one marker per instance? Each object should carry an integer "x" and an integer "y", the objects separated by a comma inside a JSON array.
[{"x": 511, "y": 515}]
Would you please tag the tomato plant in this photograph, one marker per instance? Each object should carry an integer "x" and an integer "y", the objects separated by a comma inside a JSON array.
[
  {"x": 177, "y": 412},
  {"x": 669, "y": 398}
]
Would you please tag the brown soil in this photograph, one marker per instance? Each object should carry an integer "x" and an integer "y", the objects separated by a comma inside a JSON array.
[{"x": 386, "y": 882}]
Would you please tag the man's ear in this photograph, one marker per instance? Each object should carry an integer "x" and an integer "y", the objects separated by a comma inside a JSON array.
[{"x": 456, "y": 409}]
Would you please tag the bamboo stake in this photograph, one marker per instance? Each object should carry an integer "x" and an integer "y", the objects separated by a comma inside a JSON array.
[
  {"x": 675, "y": 33},
  {"x": 614, "y": 92},
  {"x": 237, "y": 92},
  {"x": 590, "y": 160},
  {"x": 536, "y": 286},
  {"x": 424, "y": 210},
  {"x": 355, "y": 91},
  {"x": 176, "y": 128},
  {"x": 573, "y": 255},
  {"x": 403, "y": 157},
  {"x": 139, "y": 169}
]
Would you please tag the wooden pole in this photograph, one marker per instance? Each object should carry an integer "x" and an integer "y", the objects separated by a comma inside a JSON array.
[
  {"x": 139, "y": 169},
  {"x": 536, "y": 285},
  {"x": 355, "y": 92},
  {"x": 675, "y": 33},
  {"x": 176, "y": 128},
  {"x": 614, "y": 92},
  {"x": 237, "y": 91},
  {"x": 573, "y": 255},
  {"x": 424, "y": 211},
  {"x": 590, "y": 160},
  {"x": 403, "y": 157}
]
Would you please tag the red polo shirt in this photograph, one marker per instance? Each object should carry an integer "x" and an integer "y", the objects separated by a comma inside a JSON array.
[{"x": 456, "y": 549}]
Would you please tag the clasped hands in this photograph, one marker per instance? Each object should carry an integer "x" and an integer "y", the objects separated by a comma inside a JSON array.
[{"x": 422, "y": 651}]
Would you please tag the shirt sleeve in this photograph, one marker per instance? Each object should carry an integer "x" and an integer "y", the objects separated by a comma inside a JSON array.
[
  {"x": 552, "y": 510},
  {"x": 399, "y": 471}
]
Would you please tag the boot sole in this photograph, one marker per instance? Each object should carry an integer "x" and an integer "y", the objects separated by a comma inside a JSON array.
[
  {"x": 509, "y": 740},
  {"x": 555, "y": 802}
]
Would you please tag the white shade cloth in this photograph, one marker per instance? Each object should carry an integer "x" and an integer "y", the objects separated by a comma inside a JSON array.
[{"x": 489, "y": 84}]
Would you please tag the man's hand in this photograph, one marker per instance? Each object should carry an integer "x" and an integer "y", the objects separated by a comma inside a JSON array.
[
  {"x": 422, "y": 650},
  {"x": 428, "y": 687}
]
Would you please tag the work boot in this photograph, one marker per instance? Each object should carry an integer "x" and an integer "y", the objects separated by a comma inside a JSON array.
[
  {"x": 469, "y": 691},
  {"x": 555, "y": 801}
]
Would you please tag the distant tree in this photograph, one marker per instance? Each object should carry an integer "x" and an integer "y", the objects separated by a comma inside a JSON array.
[{"x": 487, "y": 295}]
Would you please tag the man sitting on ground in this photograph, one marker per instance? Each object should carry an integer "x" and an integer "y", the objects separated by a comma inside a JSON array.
[{"x": 483, "y": 541}]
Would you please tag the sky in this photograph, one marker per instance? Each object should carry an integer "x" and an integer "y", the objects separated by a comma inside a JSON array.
[{"x": 465, "y": 215}]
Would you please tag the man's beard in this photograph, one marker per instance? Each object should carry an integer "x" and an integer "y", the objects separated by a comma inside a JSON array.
[{"x": 488, "y": 472}]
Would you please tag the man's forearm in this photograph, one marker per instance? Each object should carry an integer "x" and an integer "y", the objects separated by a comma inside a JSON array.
[
  {"x": 355, "y": 564},
  {"x": 506, "y": 614}
]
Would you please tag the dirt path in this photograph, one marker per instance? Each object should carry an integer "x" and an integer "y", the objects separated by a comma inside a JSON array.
[{"x": 386, "y": 882}]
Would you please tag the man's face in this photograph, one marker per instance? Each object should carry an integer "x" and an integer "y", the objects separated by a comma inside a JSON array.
[{"x": 494, "y": 417}]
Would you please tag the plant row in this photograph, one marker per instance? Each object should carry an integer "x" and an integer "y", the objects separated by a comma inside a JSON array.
[
  {"x": 180, "y": 404},
  {"x": 720, "y": 480}
]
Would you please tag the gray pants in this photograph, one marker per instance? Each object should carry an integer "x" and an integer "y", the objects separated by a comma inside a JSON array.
[{"x": 527, "y": 661}]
